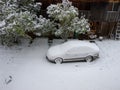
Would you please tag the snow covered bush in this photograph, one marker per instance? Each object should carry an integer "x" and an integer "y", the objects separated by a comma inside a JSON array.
[
  {"x": 29, "y": 5},
  {"x": 67, "y": 19},
  {"x": 44, "y": 25},
  {"x": 16, "y": 25},
  {"x": 1, "y": 5},
  {"x": 17, "y": 21},
  {"x": 80, "y": 25}
]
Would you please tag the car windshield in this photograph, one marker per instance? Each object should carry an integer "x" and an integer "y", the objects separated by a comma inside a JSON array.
[
  {"x": 66, "y": 46},
  {"x": 70, "y": 44}
]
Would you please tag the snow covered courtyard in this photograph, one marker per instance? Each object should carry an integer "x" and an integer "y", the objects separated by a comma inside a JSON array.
[{"x": 25, "y": 67}]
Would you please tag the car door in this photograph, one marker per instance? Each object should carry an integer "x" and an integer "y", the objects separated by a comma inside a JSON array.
[
  {"x": 72, "y": 54},
  {"x": 77, "y": 53}
]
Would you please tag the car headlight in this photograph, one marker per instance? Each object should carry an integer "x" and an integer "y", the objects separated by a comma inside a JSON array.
[{"x": 97, "y": 55}]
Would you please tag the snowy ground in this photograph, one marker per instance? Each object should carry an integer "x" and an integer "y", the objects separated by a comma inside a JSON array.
[{"x": 26, "y": 68}]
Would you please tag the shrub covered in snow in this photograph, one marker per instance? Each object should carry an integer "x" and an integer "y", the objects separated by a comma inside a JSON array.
[
  {"x": 18, "y": 17},
  {"x": 16, "y": 25},
  {"x": 17, "y": 20},
  {"x": 44, "y": 25},
  {"x": 67, "y": 19},
  {"x": 80, "y": 25},
  {"x": 29, "y": 5}
]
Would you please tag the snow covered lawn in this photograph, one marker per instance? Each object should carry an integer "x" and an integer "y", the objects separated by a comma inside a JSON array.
[{"x": 26, "y": 68}]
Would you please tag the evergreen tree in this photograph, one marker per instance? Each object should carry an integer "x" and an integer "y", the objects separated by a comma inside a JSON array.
[
  {"x": 67, "y": 19},
  {"x": 18, "y": 18}
]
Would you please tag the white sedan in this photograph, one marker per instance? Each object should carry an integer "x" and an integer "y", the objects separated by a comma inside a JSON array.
[{"x": 74, "y": 50}]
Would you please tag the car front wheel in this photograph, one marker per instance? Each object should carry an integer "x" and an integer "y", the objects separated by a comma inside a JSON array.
[
  {"x": 89, "y": 58},
  {"x": 58, "y": 60}
]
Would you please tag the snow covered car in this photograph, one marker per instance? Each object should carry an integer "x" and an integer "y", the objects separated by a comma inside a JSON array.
[{"x": 74, "y": 50}]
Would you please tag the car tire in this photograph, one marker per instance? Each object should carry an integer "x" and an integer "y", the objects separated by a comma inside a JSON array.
[
  {"x": 58, "y": 60},
  {"x": 89, "y": 58}
]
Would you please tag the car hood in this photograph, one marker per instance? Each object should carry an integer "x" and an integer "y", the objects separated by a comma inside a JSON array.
[{"x": 54, "y": 51}]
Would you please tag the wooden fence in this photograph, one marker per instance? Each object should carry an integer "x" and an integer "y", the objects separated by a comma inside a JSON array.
[{"x": 105, "y": 24}]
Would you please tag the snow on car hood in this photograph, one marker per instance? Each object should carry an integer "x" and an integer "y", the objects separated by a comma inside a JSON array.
[{"x": 54, "y": 51}]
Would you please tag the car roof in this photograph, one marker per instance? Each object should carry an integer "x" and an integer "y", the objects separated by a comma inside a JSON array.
[{"x": 77, "y": 43}]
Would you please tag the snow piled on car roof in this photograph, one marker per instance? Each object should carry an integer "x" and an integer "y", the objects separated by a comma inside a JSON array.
[{"x": 79, "y": 43}]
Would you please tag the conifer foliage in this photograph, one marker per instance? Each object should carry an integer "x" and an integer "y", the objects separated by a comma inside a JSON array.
[
  {"x": 67, "y": 19},
  {"x": 19, "y": 17}
]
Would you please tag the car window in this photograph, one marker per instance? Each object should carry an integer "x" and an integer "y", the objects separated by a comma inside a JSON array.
[
  {"x": 80, "y": 50},
  {"x": 85, "y": 49},
  {"x": 73, "y": 51}
]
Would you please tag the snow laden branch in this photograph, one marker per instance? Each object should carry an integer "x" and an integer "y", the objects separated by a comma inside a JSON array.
[
  {"x": 66, "y": 17},
  {"x": 17, "y": 20}
]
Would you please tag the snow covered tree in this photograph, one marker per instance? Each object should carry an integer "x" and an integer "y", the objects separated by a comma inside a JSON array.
[
  {"x": 29, "y": 5},
  {"x": 44, "y": 25},
  {"x": 80, "y": 25},
  {"x": 67, "y": 19},
  {"x": 1, "y": 5},
  {"x": 17, "y": 20}
]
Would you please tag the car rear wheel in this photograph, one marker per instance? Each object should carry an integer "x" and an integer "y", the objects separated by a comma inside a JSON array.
[
  {"x": 58, "y": 60},
  {"x": 89, "y": 58}
]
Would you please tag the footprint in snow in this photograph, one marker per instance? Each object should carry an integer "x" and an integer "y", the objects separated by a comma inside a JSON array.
[{"x": 8, "y": 80}]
